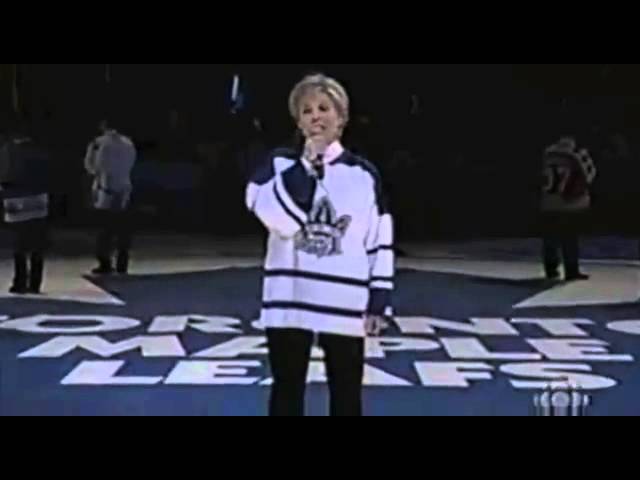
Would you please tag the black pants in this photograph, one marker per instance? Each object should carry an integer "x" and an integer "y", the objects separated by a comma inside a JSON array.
[
  {"x": 30, "y": 242},
  {"x": 561, "y": 232},
  {"x": 289, "y": 355},
  {"x": 115, "y": 236}
]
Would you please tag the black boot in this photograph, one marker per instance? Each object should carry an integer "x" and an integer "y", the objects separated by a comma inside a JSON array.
[
  {"x": 553, "y": 275},
  {"x": 123, "y": 263},
  {"x": 104, "y": 267},
  {"x": 19, "y": 286}
]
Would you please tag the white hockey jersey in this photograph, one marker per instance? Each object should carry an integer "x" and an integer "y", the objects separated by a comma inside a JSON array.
[{"x": 330, "y": 257}]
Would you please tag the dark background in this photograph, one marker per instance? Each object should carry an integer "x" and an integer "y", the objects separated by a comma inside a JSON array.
[{"x": 459, "y": 145}]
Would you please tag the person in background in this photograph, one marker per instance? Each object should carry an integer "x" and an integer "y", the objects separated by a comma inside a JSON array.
[
  {"x": 110, "y": 160},
  {"x": 24, "y": 175},
  {"x": 568, "y": 175}
]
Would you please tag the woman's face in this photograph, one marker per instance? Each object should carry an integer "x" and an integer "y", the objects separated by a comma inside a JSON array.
[{"x": 318, "y": 118}]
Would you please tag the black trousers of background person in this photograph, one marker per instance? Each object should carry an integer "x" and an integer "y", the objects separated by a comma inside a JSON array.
[
  {"x": 30, "y": 242},
  {"x": 561, "y": 235},
  {"x": 289, "y": 356},
  {"x": 115, "y": 236}
]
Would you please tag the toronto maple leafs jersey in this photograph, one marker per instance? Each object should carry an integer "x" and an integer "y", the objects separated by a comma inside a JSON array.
[
  {"x": 330, "y": 257},
  {"x": 568, "y": 175}
]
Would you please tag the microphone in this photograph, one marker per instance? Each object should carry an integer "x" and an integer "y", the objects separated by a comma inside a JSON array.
[
  {"x": 318, "y": 167},
  {"x": 315, "y": 152}
]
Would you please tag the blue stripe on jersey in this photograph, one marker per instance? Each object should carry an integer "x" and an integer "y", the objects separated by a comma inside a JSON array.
[
  {"x": 381, "y": 247},
  {"x": 293, "y": 216},
  {"x": 338, "y": 312},
  {"x": 317, "y": 276}
]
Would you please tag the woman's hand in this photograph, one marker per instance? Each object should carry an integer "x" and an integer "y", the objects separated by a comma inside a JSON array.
[
  {"x": 315, "y": 149},
  {"x": 374, "y": 325}
]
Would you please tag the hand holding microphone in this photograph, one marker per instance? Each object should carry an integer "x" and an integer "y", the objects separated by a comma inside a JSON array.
[{"x": 315, "y": 149}]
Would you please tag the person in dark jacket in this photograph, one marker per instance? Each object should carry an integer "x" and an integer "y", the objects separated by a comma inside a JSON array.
[{"x": 25, "y": 201}]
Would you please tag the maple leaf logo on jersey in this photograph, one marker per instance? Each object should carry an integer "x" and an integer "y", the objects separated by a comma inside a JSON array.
[{"x": 323, "y": 234}]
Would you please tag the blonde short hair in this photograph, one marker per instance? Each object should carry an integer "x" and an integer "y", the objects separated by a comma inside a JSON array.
[{"x": 320, "y": 83}]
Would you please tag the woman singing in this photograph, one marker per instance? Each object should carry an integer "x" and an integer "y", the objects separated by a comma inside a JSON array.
[{"x": 330, "y": 262}]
